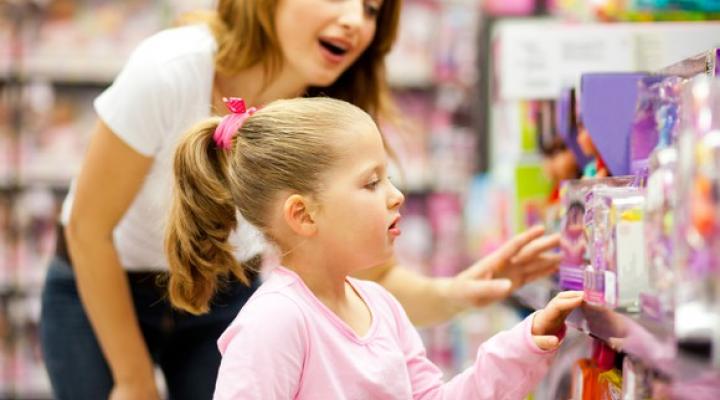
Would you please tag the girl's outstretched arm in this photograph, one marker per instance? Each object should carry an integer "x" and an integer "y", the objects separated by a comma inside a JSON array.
[{"x": 507, "y": 366}]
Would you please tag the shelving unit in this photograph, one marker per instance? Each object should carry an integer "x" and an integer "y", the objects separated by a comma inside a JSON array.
[
  {"x": 534, "y": 61},
  {"x": 58, "y": 59},
  {"x": 649, "y": 335},
  {"x": 651, "y": 341}
]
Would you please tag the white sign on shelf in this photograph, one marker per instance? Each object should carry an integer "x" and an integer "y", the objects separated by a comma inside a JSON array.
[{"x": 535, "y": 59}]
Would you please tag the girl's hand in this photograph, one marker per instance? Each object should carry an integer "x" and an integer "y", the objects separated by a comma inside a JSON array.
[{"x": 550, "y": 321}]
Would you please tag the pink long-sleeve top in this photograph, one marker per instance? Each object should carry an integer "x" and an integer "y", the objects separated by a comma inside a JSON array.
[{"x": 286, "y": 344}]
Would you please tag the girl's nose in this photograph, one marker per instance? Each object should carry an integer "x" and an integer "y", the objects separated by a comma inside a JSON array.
[{"x": 396, "y": 198}]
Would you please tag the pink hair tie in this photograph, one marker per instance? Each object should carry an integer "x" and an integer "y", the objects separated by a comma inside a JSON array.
[{"x": 231, "y": 123}]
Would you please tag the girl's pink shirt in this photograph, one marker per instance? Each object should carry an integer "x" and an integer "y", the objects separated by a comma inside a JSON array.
[{"x": 286, "y": 344}]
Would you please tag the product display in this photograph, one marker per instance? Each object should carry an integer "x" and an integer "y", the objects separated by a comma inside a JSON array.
[
  {"x": 647, "y": 249},
  {"x": 566, "y": 124},
  {"x": 635, "y": 380},
  {"x": 656, "y": 119},
  {"x": 616, "y": 273},
  {"x": 658, "y": 302},
  {"x": 639, "y": 10},
  {"x": 697, "y": 321},
  {"x": 628, "y": 255},
  {"x": 607, "y": 107},
  {"x": 704, "y": 63},
  {"x": 576, "y": 226},
  {"x": 7, "y": 139}
]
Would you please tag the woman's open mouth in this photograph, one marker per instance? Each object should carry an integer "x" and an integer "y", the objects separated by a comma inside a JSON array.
[{"x": 334, "y": 50}]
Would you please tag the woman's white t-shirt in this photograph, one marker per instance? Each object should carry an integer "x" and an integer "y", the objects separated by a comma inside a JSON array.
[{"x": 162, "y": 91}]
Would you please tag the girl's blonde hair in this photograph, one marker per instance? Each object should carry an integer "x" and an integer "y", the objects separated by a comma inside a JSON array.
[
  {"x": 284, "y": 147},
  {"x": 246, "y": 35}
]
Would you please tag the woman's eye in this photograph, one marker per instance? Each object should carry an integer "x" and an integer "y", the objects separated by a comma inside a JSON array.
[{"x": 372, "y": 10}]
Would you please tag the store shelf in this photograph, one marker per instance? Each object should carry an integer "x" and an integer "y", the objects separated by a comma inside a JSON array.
[
  {"x": 398, "y": 82},
  {"x": 36, "y": 396},
  {"x": 85, "y": 69},
  {"x": 653, "y": 343},
  {"x": 8, "y": 75},
  {"x": 57, "y": 187},
  {"x": 79, "y": 68},
  {"x": 705, "y": 63},
  {"x": 8, "y": 290},
  {"x": 650, "y": 341}
]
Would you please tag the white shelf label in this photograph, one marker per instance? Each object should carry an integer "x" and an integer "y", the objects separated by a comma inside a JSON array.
[{"x": 536, "y": 59}]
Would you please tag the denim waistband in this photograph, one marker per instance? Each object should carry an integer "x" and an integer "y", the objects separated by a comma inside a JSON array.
[{"x": 154, "y": 277}]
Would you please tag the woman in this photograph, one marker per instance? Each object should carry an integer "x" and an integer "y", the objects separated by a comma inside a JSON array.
[{"x": 105, "y": 322}]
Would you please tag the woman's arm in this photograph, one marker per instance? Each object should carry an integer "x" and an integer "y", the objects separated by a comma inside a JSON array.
[
  {"x": 111, "y": 175},
  {"x": 429, "y": 301}
]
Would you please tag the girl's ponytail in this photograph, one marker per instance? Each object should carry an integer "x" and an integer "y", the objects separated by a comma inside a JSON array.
[{"x": 202, "y": 216}]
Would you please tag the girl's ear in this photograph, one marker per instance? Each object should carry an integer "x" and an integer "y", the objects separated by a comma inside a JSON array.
[{"x": 297, "y": 214}]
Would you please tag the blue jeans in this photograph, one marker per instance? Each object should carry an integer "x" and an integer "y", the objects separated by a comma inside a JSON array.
[{"x": 182, "y": 345}]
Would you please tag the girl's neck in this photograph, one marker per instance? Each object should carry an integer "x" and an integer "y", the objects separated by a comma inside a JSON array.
[
  {"x": 250, "y": 85},
  {"x": 330, "y": 286},
  {"x": 327, "y": 285}
]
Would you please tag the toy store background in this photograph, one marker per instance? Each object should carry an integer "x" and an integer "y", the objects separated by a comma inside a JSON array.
[{"x": 503, "y": 101}]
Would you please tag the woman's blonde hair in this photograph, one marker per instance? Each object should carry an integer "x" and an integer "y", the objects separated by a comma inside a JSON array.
[
  {"x": 246, "y": 35},
  {"x": 284, "y": 147}
]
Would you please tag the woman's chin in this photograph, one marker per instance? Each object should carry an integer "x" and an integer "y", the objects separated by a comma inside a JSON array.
[{"x": 323, "y": 78}]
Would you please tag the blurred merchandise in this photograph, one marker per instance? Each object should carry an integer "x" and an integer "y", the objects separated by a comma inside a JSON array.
[
  {"x": 656, "y": 119},
  {"x": 55, "y": 124},
  {"x": 697, "y": 221},
  {"x": 7, "y": 138},
  {"x": 35, "y": 220}
]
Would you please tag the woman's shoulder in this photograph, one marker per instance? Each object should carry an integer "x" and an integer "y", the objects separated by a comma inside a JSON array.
[{"x": 185, "y": 43}]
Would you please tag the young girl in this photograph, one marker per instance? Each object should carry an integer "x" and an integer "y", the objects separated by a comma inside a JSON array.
[{"x": 311, "y": 175}]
